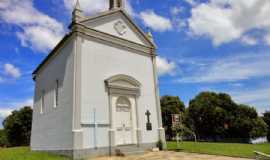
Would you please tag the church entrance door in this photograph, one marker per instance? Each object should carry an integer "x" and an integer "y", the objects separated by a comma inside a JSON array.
[{"x": 123, "y": 121}]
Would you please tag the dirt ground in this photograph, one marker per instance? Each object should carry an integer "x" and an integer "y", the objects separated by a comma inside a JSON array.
[{"x": 171, "y": 156}]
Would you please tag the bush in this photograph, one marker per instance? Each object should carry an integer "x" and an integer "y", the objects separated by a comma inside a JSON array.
[{"x": 160, "y": 145}]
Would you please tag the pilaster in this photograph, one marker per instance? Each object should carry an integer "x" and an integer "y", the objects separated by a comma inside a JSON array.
[
  {"x": 77, "y": 129},
  {"x": 161, "y": 131}
]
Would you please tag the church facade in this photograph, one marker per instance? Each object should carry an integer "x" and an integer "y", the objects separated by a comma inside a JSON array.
[{"x": 97, "y": 91}]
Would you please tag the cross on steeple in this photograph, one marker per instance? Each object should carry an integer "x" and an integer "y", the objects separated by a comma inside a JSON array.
[{"x": 116, "y": 4}]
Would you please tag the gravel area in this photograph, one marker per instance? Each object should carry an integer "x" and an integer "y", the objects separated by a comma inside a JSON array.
[{"x": 171, "y": 156}]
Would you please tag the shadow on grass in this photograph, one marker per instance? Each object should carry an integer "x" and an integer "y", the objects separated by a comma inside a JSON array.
[{"x": 177, "y": 150}]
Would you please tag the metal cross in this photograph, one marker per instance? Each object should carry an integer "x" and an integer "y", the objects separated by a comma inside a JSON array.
[{"x": 148, "y": 116}]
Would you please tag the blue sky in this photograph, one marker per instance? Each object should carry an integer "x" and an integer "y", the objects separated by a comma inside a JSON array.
[{"x": 216, "y": 45}]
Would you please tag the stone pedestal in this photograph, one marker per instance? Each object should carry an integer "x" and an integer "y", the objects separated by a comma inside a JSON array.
[
  {"x": 77, "y": 139},
  {"x": 139, "y": 136},
  {"x": 112, "y": 140},
  {"x": 161, "y": 133}
]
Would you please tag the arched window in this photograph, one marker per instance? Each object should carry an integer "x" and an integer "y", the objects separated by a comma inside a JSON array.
[
  {"x": 42, "y": 105},
  {"x": 123, "y": 104},
  {"x": 56, "y": 94}
]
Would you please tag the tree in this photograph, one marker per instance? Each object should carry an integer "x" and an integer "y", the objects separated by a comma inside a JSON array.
[
  {"x": 266, "y": 118},
  {"x": 259, "y": 128},
  {"x": 17, "y": 127},
  {"x": 215, "y": 116},
  {"x": 207, "y": 113},
  {"x": 170, "y": 105},
  {"x": 3, "y": 138},
  {"x": 243, "y": 122}
]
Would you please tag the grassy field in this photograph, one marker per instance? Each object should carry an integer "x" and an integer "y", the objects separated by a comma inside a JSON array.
[
  {"x": 226, "y": 149},
  {"x": 24, "y": 153}
]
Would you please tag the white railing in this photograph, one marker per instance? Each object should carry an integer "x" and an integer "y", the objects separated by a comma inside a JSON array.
[{"x": 261, "y": 156}]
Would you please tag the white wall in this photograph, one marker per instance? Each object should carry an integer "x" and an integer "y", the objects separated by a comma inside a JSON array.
[
  {"x": 99, "y": 62},
  {"x": 52, "y": 130}
]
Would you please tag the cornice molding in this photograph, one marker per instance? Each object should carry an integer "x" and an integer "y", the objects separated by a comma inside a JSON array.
[{"x": 84, "y": 30}]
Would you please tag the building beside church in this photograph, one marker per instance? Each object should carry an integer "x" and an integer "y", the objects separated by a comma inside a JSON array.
[{"x": 97, "y": 91}]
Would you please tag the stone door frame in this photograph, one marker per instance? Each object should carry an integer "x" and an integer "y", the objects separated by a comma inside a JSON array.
[{"x": 122, "y": 85}]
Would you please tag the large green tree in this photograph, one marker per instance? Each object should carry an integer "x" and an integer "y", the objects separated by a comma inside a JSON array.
[
  {"x": 170, "y": 105},
  {"x": 266, "y": 118},
  {"x": 207, "y": 115},
  {"x": 17, "y": 127},
  {"x": 216, "y": 116},
  {"x": 3, "y": 138}
]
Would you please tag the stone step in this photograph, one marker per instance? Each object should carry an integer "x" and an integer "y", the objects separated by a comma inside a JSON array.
[{"x": 128, "y": 150}]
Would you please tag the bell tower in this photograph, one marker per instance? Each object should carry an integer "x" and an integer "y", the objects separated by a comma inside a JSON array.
[{"x": 117, "y": 4}]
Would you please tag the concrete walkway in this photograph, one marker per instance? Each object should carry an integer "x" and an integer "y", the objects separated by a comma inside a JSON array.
[{"x": 171, "y": 156}]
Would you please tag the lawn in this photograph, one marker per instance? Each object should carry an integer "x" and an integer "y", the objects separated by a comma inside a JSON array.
[
  {"x": 226, "y": 149},
  {"x": 24, "y": 153}
]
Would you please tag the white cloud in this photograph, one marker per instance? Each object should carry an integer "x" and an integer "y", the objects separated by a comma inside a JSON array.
[
  {"x": 155, "y": 22},
  {"x": 257, "y": 97},
  {"x": 191, "y": 2},
  {"x": 94, "y": 6},
  {"x": 19, "y": 104},
  {"x": 88, "y": 6},
  {"x": 230, "y": 69},
  {"x": 249, "y": 40},
  {"x": 12, "y": 71},
  {"x": 4, "y": 112},
  {"x": 39, "y": 31},
  {"x": 7, "y": 107},
  {"x": 176, "y": 10},
  {"x": 164, "y": 66},
  {"x": 228, "y": 20},
  {"x": 267, "y": 39}
]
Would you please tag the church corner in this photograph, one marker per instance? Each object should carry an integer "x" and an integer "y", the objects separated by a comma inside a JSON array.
[{"x": 97, "y": 92}]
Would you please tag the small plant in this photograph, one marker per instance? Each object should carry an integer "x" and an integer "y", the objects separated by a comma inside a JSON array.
[
  {"x": 160, "y": 145},
  {"x": 119, "y": 153}
]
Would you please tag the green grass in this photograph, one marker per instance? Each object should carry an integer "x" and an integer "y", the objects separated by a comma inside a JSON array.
[
  {"x": 226, "y": 149},
  {"x": 24, "y": 153}
]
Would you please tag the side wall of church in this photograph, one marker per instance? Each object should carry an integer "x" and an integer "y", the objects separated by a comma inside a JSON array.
[
  {"x": 101, "y": 61},
  {"x": 52, "y": 129}
]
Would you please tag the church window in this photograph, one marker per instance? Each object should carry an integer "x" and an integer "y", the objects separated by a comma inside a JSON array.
[
  {"x": 123, "y": 105},
  {"x": 56, "y": 94},
  {"x": 42, "y": 105}
]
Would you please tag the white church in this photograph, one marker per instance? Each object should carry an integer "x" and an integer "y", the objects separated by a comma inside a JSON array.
[{"x": 97, "y": 92}]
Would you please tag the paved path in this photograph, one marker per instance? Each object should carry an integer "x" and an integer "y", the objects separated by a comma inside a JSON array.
[{"x": 171, "y": 156}]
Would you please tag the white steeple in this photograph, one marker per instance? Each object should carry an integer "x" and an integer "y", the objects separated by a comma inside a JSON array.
[
  {"x": 117, "y": 4},
  {"x": 77, "y": 13},
  {"x": 149, "y": 34}
]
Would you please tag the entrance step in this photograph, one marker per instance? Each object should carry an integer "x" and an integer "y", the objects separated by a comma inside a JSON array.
[{"x": 128, "y": 150}]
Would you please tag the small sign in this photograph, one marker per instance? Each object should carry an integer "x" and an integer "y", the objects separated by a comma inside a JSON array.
[{"x": 176, "y": 119}]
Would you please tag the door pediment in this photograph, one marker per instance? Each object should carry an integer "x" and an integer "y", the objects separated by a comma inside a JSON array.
[{"x": 123, "y": 84}]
